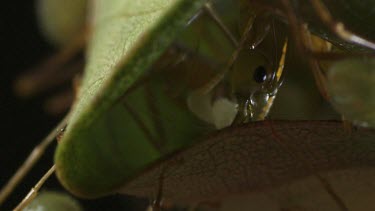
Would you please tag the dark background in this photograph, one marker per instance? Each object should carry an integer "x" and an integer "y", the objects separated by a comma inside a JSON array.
[{"x": 23, "y": 122}]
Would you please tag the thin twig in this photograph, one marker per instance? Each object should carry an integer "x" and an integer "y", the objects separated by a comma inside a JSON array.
[
  {"x": 30, "y": 161},
  {"x": 212, "y": 13},
  {"x": 34, "y": 191}
]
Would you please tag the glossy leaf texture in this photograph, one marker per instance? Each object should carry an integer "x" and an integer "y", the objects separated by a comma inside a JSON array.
[{"x": 127, "y": 38}]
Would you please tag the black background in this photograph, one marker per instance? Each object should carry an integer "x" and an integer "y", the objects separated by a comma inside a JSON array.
[{"x": 23, "y": 122}]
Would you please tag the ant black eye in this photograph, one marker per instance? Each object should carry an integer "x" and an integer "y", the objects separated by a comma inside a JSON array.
[{"x": 260, "y": 74}]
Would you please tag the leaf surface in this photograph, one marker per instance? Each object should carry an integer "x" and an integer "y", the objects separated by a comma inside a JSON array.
[
  {"x": 127, "y": 37},
  {"x": 265, "y": 156}
]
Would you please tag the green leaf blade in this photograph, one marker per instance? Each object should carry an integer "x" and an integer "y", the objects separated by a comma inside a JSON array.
[{"x": 86, "y": 164}]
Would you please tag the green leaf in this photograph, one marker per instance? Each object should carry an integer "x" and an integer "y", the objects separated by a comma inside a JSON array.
[
  {"x": 51, "y": 200},
  {"x": 103, "y": 147}
]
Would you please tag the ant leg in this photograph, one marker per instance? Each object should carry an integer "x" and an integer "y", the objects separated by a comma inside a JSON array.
[
  {"x": 31, "y": 160},
  {"x": 218, "y": 77},
  {"x": 320, "y": 80},
  {"x": 295, "y": 25},
  {"x": 47, "y": 74},
  {"x": 157, "y": 203},
  {"x": 61, "y": 102},
  {"x": 304, "y": 45},
  {"x": 212, "y": 13},
  {"x": 338, "y": 27}
]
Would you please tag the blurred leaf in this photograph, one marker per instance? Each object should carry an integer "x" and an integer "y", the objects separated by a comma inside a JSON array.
[
  {"x": 61, "y": 21},
  {"x": 50, "y": 200}
]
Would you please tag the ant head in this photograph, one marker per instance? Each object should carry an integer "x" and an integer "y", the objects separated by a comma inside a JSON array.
[{"x": 251, "y": 72}]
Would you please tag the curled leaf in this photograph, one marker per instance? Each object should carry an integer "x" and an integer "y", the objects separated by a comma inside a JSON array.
[{"x": 128, "y": 37}]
